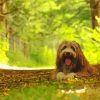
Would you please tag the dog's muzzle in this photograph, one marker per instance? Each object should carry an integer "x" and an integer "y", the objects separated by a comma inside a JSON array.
[{"x": 68, "y": 55}]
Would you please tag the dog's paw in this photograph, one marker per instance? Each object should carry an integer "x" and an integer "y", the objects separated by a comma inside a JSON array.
[
  {"x": 60, "y": 76},
  {"x": 71, "y": 75},
  {"x": 83, "y": 74}
]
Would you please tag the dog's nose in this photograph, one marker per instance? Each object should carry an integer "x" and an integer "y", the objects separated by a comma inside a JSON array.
[{"x": 68, "y": 53}]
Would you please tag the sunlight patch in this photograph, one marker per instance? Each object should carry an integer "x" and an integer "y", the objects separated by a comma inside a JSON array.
[
  {"x": 4, "y": 66},
  {"x": 78, "y": 91}
]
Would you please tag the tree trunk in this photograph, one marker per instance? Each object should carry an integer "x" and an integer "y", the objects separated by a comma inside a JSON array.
[
  {"x": 1, "y": 11},
  {"x": 95, "y": 12},
  {"x": 25, "y": 48},
  {"x": 99, "y": 12},
  {"x": 19, "y": 44},
  {"x": 14, "y": 44}
]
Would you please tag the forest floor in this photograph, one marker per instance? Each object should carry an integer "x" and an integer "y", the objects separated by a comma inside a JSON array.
[{"x": 15, "y": 79}]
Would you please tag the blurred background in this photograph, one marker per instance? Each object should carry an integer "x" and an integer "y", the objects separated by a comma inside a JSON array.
[{"x": 31, "y": 30}]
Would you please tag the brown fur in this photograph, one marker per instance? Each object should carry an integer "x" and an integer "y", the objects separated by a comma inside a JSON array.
[{"x": 80, "y": 64}]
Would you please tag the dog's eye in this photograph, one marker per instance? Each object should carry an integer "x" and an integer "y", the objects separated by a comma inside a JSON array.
[
  {"x": 64, "y": 47},
  {"x": 72, "y": 48}
]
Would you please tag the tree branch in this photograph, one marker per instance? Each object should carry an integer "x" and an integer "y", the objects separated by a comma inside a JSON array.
[{"x": 95, "y": 40}]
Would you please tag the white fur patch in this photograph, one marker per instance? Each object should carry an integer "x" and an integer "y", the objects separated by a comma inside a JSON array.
[
  {"x": 61, "y": 75},
  {"x": 70, "y": 75}
]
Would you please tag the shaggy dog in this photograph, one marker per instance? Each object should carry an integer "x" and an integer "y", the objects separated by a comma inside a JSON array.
[{"x": 70, "y": 59}]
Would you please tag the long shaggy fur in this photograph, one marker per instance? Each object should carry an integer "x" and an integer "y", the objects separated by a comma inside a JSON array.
[{"x": 79, "y": 64}]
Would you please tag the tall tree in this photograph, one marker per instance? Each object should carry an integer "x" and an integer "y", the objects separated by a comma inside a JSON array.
[{"x": 95, "y": 12}]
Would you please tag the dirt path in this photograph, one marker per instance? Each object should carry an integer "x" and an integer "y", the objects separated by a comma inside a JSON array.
[{"x": 13, "y": 78}]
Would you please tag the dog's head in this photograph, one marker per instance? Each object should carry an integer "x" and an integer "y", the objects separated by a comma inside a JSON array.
[{"x": 68, "y": 56}]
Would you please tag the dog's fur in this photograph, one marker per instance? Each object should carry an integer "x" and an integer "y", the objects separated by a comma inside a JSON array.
[{"x": 79, "y": 64}]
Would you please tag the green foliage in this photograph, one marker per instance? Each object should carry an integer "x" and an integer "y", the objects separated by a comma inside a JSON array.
[
  {"x": 18, "y": 59},
  {"x": 47, "y": 55},
  {"x": 42, "y": 55},
  {"x": 87, "y": 38},
  {"x": 30, "y": 18},
  {"x": 36, "y": 58},
  {"x": 3, "y": 46},
  {"x": 3, "y": 50},
  {"x": 1, "y": 28},
  {"x": 43, "y": 52}
]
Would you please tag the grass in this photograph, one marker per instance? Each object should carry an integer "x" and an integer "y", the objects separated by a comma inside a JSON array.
[
  {"x": 50, "y": 91},
  {"x": 39, "y": 92}
]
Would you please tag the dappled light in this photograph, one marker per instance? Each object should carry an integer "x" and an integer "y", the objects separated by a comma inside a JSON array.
[{"x": 3, "y": 49}]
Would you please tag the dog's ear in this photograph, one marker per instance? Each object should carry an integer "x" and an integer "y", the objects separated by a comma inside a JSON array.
[
  {"x": 58, "y": 61},
  {"x": 81, "y": 59},
  {"x": 77, "y": 44}
]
